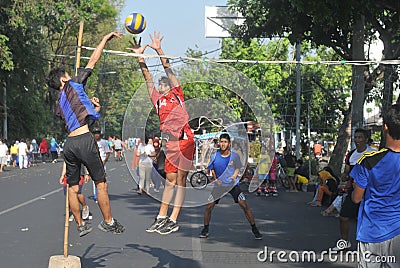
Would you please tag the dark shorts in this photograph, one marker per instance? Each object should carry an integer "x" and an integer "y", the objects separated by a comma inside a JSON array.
[
  {"x": 349, "y": 208},
  {"x": 81, "y": 181},
  {"x": 83, "y": 149},
  {"x": 218, "y": 192}
]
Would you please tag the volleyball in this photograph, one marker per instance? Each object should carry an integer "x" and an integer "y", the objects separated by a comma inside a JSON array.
[{"x": 135, "y": 23}]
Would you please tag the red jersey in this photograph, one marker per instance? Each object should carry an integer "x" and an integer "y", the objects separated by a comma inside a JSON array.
[{"x": 172, "y": 112}]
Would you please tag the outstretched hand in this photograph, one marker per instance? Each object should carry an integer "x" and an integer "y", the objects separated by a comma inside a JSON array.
[
  {"x": 137, "y": 47},
  {"x": 112, "y": 35},
  {"x": 156, "y": 40}
]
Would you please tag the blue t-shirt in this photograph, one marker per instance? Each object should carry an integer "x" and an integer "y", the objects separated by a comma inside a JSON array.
[
  {"x": 379, "y": 214},
  {"x": 224, "y": 167}
]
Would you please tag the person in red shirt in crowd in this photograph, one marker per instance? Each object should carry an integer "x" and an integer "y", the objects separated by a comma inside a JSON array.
[
  {"x": 43, "y": 149},
  {"x": 175, "y": 131}
]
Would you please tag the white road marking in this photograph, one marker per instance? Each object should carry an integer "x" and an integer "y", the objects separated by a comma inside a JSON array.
[
  {"x": 196, "y": 245},
  {"x": 30, "y": 201}
]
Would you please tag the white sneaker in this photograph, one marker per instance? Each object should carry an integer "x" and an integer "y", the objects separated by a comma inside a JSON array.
[
  {"x": 71, "y": 217},
  {"x": 85, "y": 213},
  {"x": 342, "y": 244}
]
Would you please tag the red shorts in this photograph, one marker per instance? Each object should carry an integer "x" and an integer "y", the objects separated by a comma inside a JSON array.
[
  {"x": 179, "y": 155},
  {"x": 81, "y": 181}
]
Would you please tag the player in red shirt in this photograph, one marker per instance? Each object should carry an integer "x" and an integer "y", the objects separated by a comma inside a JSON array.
[{"x": 175, "y": 131}]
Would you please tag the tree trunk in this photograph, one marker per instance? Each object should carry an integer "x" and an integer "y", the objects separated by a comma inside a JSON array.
[
  {"x": 340, "y": 150},
  {"x": 358, "y": 78}
]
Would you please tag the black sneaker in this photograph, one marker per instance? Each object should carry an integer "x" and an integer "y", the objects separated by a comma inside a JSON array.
[
  {"x": 168, "y": 227},
  {"x": 84, "y": 229},
  {"x": 257, "y": 234},
  {"x": 116, "y": 228},
  {"x": 156, "y": 224},
  {"x": 204, "y": 233}
]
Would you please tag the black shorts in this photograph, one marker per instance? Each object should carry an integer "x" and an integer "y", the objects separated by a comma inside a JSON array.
[
  {"x": 83, "y": 149},
  {"x": 349, "y": 208},
  {"x": 218, "y": 192}
]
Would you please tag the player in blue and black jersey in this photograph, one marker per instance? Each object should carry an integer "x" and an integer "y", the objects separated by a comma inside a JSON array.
[{"x": 79, "y": 112}]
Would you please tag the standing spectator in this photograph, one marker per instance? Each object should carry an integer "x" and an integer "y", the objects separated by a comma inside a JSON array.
[
  {"x": 35, "y": 150},
  {"x": 3, "y": 154},
  {"x": 145, "y": 152},
  {"x": 44, "y": 149},
  {"x": 14, "y": 153},
  {"x": 318, "y": 150},
  {"x": 118, "y": 148},
  {"x": 349, "y": 208},
  {"x": 23, "y": 154},
  {"x": 290, "y": 168},
  {"x": 272, "y": 177},
  {"x": 263, "y": 166},
  {"x": 158, "y": 164},
  {"x": 377, "y": 187},
  {"x": 54, "y": 150},
  {"x": 104, "y": 151}
]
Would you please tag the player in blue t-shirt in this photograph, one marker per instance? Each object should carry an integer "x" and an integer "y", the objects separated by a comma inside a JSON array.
[
  {"x": 377, "y": 187},
  {"x": 224, "y": 166}
]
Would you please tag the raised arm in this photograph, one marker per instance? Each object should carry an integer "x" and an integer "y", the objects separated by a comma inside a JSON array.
[
  {"x": 138, "y": 49},
  {"x": 156, "y": 45},
  {"x": 94, "y": 58}
]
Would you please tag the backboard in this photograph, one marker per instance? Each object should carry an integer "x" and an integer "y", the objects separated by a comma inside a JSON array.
[{"x": 219, "y": 19}]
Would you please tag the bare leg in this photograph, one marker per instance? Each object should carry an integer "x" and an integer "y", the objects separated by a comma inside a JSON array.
[
  {"x": 180, "y": 194},
  {"x": 168, "y": 193},
  {"x": 103, "y": 200},
  {"x": 81, "y": 199},
  {"x": 74, "y": 203},
  {"x": 207, "y": 213},
  {"x": 247, "y": 211}
]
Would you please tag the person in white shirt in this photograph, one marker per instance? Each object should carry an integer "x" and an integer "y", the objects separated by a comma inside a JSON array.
[
  {"x": 3, "y": 155},
  {"x": 118, "y": 149},
  {"x": 22, "y": 154},
  {"x": 145, "y": 152},
  {"x": 104, "y": 150}
]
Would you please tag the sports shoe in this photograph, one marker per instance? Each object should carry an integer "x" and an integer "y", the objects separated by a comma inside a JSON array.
[
  {"x": 168, "y": 227},
  {"x": 274, "y": 194},
  {"x": 84, "y": 229},
  {"x": 71, "y": 216},
  {"x": 116, "y": 228},
  {"x": 204, "y": 233},
  {"x": 267, "y": 193},
  {"x": 342, "y": 244},
  {"x": 156, "y": 224},
  {"x": 85, "y": 213},
  {"x": 257, "y": 234}
]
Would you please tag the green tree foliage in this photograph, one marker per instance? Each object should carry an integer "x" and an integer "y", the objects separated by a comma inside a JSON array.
[
  {"x": 331, "y": 24},
  {"x": 32, "y": 32}
]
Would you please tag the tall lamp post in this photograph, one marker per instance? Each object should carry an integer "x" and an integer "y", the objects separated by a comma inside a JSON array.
[{"x": 5, "y": 131}]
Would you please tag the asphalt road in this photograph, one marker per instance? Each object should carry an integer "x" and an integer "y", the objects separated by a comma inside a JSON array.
[{"x": 32, "y": 225}]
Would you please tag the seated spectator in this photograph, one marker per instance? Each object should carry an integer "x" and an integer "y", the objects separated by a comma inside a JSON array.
[
  {"x": 328, "y": 187},
  {"x": 301, "y": 175}
]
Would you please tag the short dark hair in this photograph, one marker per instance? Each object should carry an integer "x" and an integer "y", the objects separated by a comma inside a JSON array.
[
  {"x": 165, "y": 80},
  {"x": 53, "y": 78},
  {"x": 299, "y": 161},
  {"x": 225, "y": 136},
  {"x": 391, "y": 118},
  {"x": 363, "y": 131}
]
